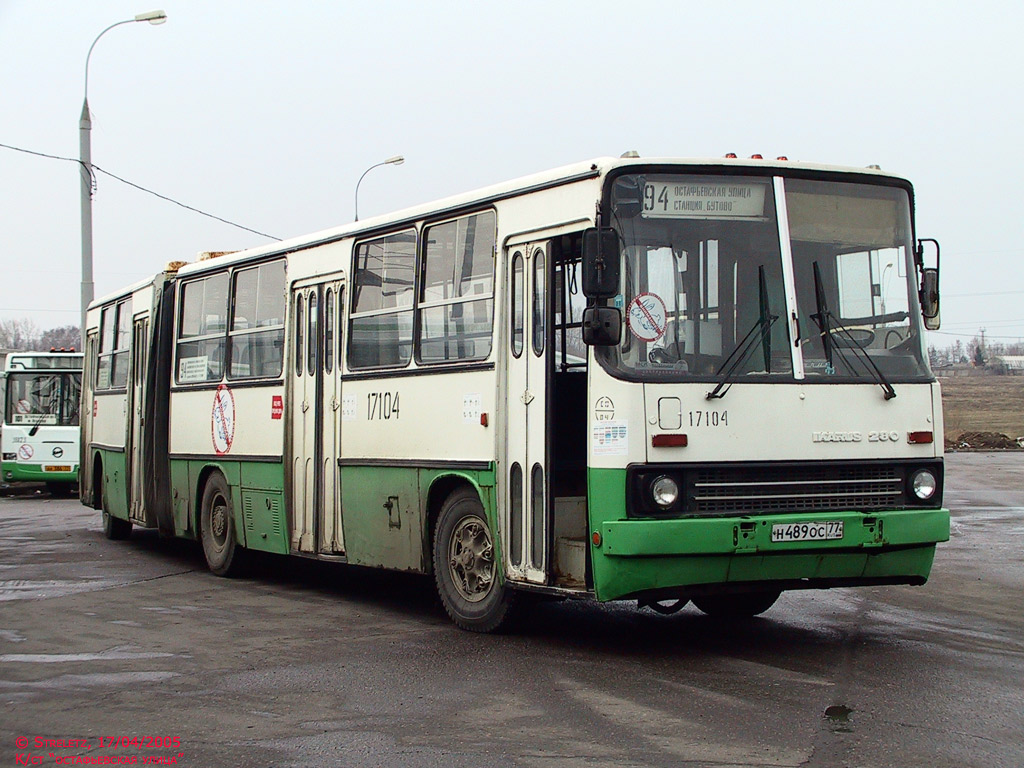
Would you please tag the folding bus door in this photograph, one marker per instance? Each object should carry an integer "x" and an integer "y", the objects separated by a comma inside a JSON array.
[
  {"x": 526, "y": 465},
  {"x": 330, "y": 537},
  {"x": 315, "y": 417},
  {"x": 137, "y": 421}
]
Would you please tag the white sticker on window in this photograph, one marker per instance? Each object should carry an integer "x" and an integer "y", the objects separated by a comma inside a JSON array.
[{"x": 610, "y": 438}]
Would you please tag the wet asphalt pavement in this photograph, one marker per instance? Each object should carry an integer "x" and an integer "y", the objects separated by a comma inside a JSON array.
[{"x": 305, "y": 664}]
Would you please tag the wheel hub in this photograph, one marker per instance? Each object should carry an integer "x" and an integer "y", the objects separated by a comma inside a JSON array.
[{"x": 471, "y": 559}]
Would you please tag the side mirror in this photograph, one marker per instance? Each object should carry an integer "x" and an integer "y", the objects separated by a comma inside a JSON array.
[
  {"x": 929, "y": 293},
  {"x": 600, "y": 262},
  {"x": 602, "y": 326},
  {"x": 930, "y": 298}
]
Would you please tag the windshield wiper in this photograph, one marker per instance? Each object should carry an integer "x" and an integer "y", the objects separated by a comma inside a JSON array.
[
  {"x": 829, "y": 325},
  {"x": 748, "y": 344},
  {"x": 38, "y": 424}
]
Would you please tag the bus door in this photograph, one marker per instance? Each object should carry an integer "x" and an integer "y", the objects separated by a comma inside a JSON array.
[
  {"x": 526, "y": 465},
  {"x": 137, "y": 421},
  {"x": 316, "y": 418},
  {"x": 85, "y": 484}
]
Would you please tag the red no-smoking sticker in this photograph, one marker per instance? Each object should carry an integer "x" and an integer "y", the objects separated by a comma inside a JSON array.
[
  {"x": 646, "y": 317},
  {"x": 25, "y": 452},
  {"x": 223, "y": 420},
  {"x": 276, "y": 407}
]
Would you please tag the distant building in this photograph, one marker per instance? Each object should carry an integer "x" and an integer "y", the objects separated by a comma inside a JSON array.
[{"x": 1011, "y": 364}]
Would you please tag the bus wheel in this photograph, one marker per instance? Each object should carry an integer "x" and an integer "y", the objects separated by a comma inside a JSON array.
[
  {"x": 217, "y": 530},
  {"x": 664, "y": 607},
  {"x": 116, "y": 529},
  {"x": 464, "y": 566},
  {"x": 737, "y": 606}
]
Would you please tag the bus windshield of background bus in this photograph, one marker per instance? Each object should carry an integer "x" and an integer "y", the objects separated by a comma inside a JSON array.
[
  {"x": 702, "y": 285},
  {"x": 855, "y": 287},
  {"x": 702, "y": 291},
  {"x": 45, "y": 399}
]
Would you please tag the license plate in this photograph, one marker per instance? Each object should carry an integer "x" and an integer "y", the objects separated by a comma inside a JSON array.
[
  {"x": 57, "y": 468},
  {"x": 822, "y": 531}
]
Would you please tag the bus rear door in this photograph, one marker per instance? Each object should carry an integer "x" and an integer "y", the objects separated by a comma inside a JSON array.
[
  {"x": 315, "y": 417},
  {"x": 137, "y": 388}
]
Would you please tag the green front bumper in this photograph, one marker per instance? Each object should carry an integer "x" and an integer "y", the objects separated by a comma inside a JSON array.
[
  {"x": 17, "y": 472},
  {"x": 637, "y": 557}
]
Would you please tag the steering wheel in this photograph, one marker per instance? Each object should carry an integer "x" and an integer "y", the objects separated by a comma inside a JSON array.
[
  {"x": 850, "y": 337},
  {"x": 668, "y": 355},
  {"x": 892, "y": 333}
]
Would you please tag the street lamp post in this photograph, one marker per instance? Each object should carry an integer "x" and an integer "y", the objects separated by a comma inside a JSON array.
[
  {"x": 85, "y": 161},
  {"x": 396, "y": 160}
]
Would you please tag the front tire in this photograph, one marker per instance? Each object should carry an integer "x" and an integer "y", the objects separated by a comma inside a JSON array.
[
  {"x": 223, "y": 555},
  {"x": 465, "y": 566},
  {"x": 738, "y": 606}
]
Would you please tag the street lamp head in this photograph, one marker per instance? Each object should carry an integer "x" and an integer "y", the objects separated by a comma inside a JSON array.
[
  {"x": 396, "y": 160},
  {"x": 153, "y": 17}
]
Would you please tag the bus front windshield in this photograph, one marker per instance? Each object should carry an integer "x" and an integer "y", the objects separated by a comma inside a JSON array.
[
  {"x": 43, "y": 399},
  {"x": 703, "y": 295}
]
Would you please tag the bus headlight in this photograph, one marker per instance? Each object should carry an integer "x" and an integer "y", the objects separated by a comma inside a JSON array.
[
  {"x": 665, "y": 491},
  {"x": 923, "y": 484}
]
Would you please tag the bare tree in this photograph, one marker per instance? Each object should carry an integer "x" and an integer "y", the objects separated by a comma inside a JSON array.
[
  {"x": 22, "y": 334},
  {"x": 65, "y": 337},
  {"x": 19, "y": 333}
]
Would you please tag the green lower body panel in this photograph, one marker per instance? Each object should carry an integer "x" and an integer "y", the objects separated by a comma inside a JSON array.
[
  {"x": 388, "y": 511},
  {"x": 114, "y": 482},
  {"x": 19, "y": 472},
  {"x": 637, "y": 557},
  {"x": 257, "y": 500}
]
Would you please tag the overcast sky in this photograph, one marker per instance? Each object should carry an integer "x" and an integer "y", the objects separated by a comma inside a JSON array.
[{"x": 266, "y": 113}]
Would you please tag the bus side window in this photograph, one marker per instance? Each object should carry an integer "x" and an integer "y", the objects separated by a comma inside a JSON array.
[
  {"x": 380, "y": 328},
  {"x": 298, "y": 351},
  {"x": 202, "y": 329},
  {"x": 456, "y": 307},
  {"x": 257, "y": 323}
]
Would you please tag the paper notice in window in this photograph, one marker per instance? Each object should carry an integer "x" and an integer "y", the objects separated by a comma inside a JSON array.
[{"x": 192, "y": 369}]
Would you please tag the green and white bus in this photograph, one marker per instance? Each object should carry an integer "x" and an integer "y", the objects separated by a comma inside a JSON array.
[
  {"x": 42, "y": 395},
  {"x": 658, "y": 380}
]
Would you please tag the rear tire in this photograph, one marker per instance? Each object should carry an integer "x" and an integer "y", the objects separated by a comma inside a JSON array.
[
  {"x": 114, "y": 528},
  {"x": 223, "y": 554},
  {"x": 465, "y": 569},
  {"x": 743, "y": 605}
]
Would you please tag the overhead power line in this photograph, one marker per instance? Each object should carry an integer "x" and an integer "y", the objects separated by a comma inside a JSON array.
[
  {"x": 141, "y": 189},
  {"x": 1018, "y": 337}
]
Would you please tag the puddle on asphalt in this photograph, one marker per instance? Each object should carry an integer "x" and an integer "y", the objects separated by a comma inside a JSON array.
[
  {"x": 838, "y": 718},
  {"x": 116, "y": 654},
  {"x": 113, "y": 679},
  {"x": 24, "y": 589}
]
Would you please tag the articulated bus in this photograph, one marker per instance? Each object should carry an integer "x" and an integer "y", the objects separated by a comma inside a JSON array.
[
  {"x": 655, "y": 380},
  {"x": 40, "y": 437}
]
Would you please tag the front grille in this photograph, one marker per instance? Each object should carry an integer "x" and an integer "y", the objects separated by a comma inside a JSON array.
[
  {"x": 728, "y": 490},
  {"x": 709, "y": 490}
]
